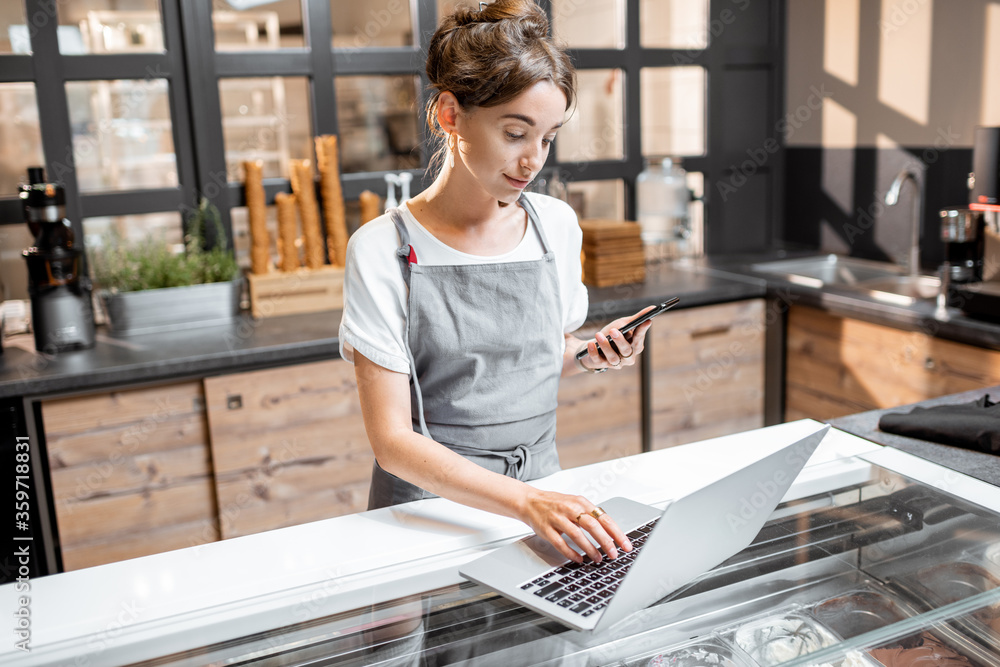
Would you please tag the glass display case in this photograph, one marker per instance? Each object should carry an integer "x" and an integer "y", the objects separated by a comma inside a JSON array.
[{"x": 874, "y": 568}]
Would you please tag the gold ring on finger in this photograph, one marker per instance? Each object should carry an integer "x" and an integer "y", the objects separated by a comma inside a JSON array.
[
  {"x": 626, "y": 356},
  {"x": 597, "y": 512},
  {"x": 577, "y": 519}
]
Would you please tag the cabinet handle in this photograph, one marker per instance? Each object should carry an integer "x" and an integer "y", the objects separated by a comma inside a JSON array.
[
  {"x": 234, "y": 402},
  {"x": 712, "y": 331}
]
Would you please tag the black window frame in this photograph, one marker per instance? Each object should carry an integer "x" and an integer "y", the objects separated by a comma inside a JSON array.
[{"x": 193, "y": 68}]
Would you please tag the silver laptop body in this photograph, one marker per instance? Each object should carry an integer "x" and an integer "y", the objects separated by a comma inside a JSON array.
[{"x": 694, "y": 533}]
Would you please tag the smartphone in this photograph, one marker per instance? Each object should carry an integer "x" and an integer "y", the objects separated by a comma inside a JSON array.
[{"x": 633, "y": 323}]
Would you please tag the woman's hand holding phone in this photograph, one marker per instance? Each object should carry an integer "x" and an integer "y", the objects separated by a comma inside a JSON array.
[{"x": 620, "y": 342}]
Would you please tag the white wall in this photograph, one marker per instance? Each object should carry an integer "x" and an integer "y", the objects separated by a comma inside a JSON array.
[{"x": 891, "y": 72}]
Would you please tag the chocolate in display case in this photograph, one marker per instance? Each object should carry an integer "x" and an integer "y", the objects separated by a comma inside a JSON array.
[{"x": 868, "y": 568}]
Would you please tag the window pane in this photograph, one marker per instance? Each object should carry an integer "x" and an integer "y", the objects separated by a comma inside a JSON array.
[
  {"x": 20, "y": 138},
  {"x": 135, "y": 228},
  {"x": 374, "y": 23},
  {"x": 377, "y": 117},
  {"x": 673, "y": 111},
  {"x": 13, "y": 271},
  {"x": 673, "y": 24},
  {"x": 122, "y": 134},
  {"x": 596, "y": 128},
  {"x": 598, "y": 199},
  {"x": 110, "y": 26},
  {"x": 252, "y": 25},
  {"x": 13, "y": 30},
  {"x": 590, "y": 24},
  {"x": 265, "y": 119}
]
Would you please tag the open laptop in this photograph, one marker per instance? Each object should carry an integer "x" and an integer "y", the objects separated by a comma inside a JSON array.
[{"x": 693, "y": 534}]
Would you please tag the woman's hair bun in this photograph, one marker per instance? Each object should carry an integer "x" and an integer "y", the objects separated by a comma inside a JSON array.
[
  {"x": 531, "y": 20},
  {"x": 488, "y": 57}
]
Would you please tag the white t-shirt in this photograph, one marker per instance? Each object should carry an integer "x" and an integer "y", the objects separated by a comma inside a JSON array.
[{"x": 375, "y": 296}]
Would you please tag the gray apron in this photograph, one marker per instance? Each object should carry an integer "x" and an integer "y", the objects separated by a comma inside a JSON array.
[{"x": 484, "y": 343}]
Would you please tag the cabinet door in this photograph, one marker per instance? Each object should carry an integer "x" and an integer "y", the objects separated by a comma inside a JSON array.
[
  {"x": 288, "y": 446},
  {"x": 599, "y": 416},
  {"x": 707, "y": 372},
  {"x": 837, "y": 366},
  {"x": 131, "y": 473}
]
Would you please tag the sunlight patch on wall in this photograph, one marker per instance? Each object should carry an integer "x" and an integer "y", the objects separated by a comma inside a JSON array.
[
  {"x": 840, "y": 39},
  {"x": 905, "y": 57},
  {"x": 991, "y": 67},
  {"x": 840, "y": 126},
  {"x": 839, "y": 131}
]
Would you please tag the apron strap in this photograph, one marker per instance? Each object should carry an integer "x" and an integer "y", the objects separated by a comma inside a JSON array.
[
  {"x": 533, "y": 217},
  {"x": 518, "y": 459},
  {"x": 404, "y": 252},
  {"x": 407, "y": 256}
]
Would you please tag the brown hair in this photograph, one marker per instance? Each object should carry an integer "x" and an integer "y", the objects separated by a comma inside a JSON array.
[{"x": 488, "y": 57}]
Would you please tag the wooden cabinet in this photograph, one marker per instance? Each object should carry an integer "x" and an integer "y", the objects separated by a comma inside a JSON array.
[
  {"x": 706, "y": 372},
  {"x": 141, "y": 471},
  {"x": 288, "y": 446},
  {"x": 837, "y": 366},
  {"x": 131, "y": 473},
  {"x": 599, "y": 416}
]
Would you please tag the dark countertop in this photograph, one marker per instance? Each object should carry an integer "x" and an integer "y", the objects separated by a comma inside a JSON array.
[
  {"x": 985, "y": 467},
  {"x": 248, "y": 344},
  {"x": 923, "y": 316}
]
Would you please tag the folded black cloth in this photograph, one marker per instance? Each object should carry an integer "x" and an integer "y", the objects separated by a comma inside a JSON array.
[{"x": 974, "y": 425}]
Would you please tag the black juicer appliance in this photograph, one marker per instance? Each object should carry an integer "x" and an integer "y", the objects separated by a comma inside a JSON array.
[
  {"x": 971, "y": 235},
  {"x": 61, "y": 309}
]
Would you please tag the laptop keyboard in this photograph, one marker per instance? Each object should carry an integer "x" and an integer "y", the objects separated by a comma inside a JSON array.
[{"x": 586, "y": 588}]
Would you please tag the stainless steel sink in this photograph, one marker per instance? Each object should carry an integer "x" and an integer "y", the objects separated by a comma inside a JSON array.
[
  {"x": 878, "y": 280},
  {"x": 903, "y": 289},
  {"x": 828, "y": 270}
]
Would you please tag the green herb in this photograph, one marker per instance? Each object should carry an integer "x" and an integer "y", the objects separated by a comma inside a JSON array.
[{"x": 151, "y": 263}]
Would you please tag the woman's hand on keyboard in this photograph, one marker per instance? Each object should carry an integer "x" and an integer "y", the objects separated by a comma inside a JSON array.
[{"x": 552, "y": 514}]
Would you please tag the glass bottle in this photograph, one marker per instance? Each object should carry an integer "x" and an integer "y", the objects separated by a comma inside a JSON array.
[{"x": 662, "y": 198}]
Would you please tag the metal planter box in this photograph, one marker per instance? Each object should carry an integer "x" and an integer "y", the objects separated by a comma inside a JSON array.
[{"x": 172, "y": 308}]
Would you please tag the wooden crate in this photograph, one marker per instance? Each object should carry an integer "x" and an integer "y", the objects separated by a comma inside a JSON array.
[{"x": 300, "y": 291}]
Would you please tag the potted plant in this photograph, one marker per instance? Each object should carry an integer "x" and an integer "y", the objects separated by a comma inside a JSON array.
[{"x": 147, "y": 287}]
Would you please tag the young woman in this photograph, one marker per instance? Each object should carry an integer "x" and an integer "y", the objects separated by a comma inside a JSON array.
[{"x": 459, "y": 303}]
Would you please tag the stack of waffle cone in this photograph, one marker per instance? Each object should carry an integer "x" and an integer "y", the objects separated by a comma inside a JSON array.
[
  {"x": 304, "y": 187},
  {"x": 260, "y": 240},
  {"x": 333, "y": 199}
]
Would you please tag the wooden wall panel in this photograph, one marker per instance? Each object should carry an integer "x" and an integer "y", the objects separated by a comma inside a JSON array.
[
  {"x": 288, "y": 446},
  {"x": 131, "y": 473},
  {"x": 838, "y": 366},
  {"x": 707, "y": 372},
  {"x": 599, "y": 416}
]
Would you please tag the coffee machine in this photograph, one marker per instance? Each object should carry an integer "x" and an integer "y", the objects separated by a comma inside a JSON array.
[
  {"x": 972, "y": 235},
  {"x": 61, "y": 309}
]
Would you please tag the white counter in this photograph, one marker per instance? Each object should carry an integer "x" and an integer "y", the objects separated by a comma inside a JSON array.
[{"x": 146, "y": 607}]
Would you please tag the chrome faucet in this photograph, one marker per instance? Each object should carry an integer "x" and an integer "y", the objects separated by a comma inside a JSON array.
[{"x": 892, "y": 198}]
